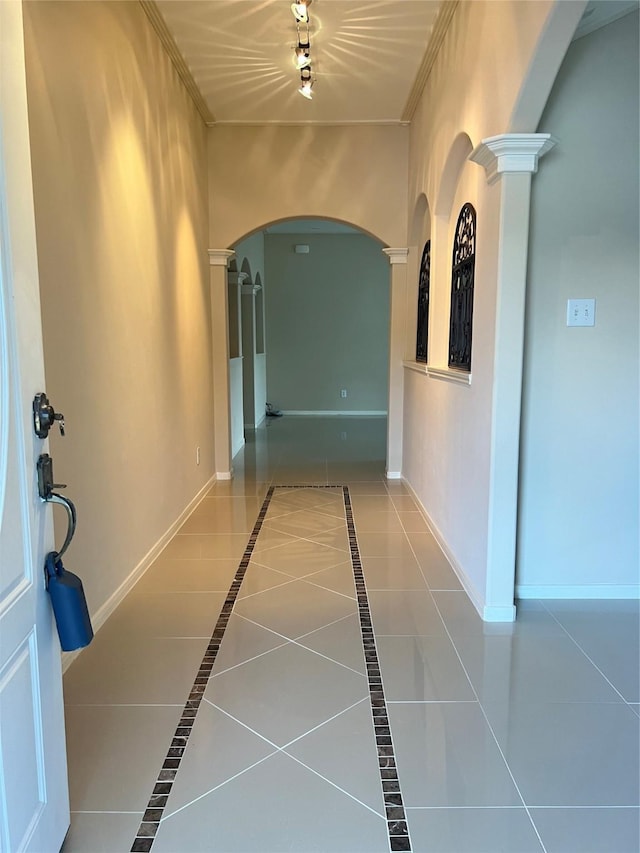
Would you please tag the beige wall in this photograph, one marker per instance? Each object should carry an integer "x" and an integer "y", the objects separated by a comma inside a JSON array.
[
  {"x": 259, "y": 175},
  {"x": 488, "y": 63},
  {"x": 119, "y": 166},
  {"x": 479, "y": 87}
]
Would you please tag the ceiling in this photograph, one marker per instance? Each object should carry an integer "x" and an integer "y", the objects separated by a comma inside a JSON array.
[
  {"x": 370, "y": 58},
  {"x": 366, "y": 56}
]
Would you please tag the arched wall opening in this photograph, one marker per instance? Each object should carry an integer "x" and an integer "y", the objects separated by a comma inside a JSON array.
[
  {"x": 326, "y": 317},
  {"x": 419, "y": 233},
  {"x": 458, "y": 176},
  {"x": 321, "y": 317}
]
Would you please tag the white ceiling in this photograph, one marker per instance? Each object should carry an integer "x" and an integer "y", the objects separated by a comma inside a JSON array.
[
  {"x": 370, "y": 58},
  {"x": 365, "y": 54}
]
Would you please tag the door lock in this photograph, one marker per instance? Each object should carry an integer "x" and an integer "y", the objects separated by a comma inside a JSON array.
[
  {"x": 44, "y": 416},
  {"x": 45, "y": 477}
]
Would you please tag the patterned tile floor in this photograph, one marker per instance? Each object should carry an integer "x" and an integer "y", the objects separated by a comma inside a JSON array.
[{"x": 486, "y": 738}]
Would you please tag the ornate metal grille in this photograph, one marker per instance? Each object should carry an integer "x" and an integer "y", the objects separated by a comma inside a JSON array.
[
  {"x": 423, "y": 303},
  {"x": 462, "y": 281}
]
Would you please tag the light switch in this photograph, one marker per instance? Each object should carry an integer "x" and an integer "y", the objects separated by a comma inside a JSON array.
[{"x": 581, "y": 312}]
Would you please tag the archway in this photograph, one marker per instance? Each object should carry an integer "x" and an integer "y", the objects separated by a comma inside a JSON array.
[
  {"x": 419, "y": 233},
  {"x": 394, "y": 351}
]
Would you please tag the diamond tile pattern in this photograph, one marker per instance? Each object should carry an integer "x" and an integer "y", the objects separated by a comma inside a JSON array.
[
  {"x": 264, "y": 694},
  {"x": 300, "y": 558},
  {"x": 295, "y": 608},
  {"x": 261, "y": 735}
]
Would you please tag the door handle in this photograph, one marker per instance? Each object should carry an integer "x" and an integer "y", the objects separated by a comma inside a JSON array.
[
  {"x": 45, "y": 490},
  {"x": 71, "y": 513}
]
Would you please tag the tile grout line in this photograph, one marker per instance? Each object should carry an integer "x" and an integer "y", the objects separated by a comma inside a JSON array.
[
  {"x": 397, "y": 826},
  {"x": 475, "y": 692},
  {"x": 148, "y": 828},
  {"x": 153, "y": 814},
  {"x": 490, "y": 727},
  {"x": 583, "y": 651}
]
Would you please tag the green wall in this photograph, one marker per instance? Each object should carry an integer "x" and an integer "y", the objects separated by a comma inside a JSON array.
[
  {"x": 578, "y": 531},
  {"x": 327, "y": 323}
]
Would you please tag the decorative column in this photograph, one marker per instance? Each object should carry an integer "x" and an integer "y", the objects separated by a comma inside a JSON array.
[
  {"x": 235, "y": 283},
  {"x": 251, "y": 415},
  {"x": 509, "y": 161},
  {"x": 218, "y": 261},
  {"x": 397, "y": 303}
]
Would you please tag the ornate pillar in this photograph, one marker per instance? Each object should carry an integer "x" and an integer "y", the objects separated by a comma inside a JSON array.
[
  {"x": 218, "y": 261},
  {"x": 397, "y": 317},
  {"x": 509, "y": 161},
  {"x": 251, "y": 415},
  {"x": 235, "y": 283}
]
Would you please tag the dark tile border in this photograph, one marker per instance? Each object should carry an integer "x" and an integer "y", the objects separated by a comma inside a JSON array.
[
  {"x": 397, "y": 826},
  {"x": 395, "y": 814},
  {"x": 148, "y": 828}
]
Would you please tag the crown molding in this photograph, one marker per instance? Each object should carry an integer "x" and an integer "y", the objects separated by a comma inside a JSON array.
[
  {"x": 511, "y": 152},
  {"x": 392, "y": 122},
  {"x": 438, "y": 32},
  {"x": 396, "y": 256},
  {"x": 220, "y": 257},
  {"x": 173, "y": 52}
]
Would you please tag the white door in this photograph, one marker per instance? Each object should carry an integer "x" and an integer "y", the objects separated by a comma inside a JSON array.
[{"x": 34, "y": 802}]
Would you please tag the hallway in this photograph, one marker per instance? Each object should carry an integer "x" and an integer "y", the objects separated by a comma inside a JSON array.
[{"x": 301, "y": 670}]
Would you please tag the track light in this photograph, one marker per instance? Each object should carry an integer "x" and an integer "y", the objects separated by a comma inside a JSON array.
[
  {"x": 301, "y": 11},
  {"x": 303, "y": 49},
  {"x": 302, "y": 56},
  {"x": 306, "y": 83}
]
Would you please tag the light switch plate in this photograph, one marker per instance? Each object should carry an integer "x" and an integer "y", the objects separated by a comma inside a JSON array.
[{"x": 581, "y": 312}]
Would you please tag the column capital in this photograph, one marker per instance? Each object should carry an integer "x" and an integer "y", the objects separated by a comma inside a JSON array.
[
  {"x": 396, "y": 256},
  {"x": 511, "y": 152},
  {"x": 238, "y": 278},
  {"x": 250, "y": 289},
  {"x": 220, "y": 257}
]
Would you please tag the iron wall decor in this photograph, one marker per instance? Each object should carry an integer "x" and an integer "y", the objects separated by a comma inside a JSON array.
[
  {"x": 462, "y": 284},
  {"x": 422, "y": 331}
]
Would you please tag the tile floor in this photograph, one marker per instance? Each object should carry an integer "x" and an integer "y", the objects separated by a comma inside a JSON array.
[{"x": 486, "y": 738}]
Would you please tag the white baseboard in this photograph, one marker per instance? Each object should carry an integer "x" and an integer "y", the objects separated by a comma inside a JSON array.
[
  {"x": 393, "y": 475},
  {"x": 590, "y": 591},
  {"x": 322, "y": 413},
  {"x": 506, "y": 613},
  {"x": 503, "y": 613},
  {"x": 256, "y": 425},
  {"x": 102, "y": 613},
  {"x": 224, "y": 475}
]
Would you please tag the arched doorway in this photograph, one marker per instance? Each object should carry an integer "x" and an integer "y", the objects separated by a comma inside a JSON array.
[{"x": 330, "y": 372}]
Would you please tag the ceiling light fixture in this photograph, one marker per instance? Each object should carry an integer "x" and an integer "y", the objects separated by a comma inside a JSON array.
[
  {"x": 301, "y": 11},
  {"x": 306, "y": 84},
  {"x": 302, "y": 55},
  {"x": 303, "y": 51}
]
